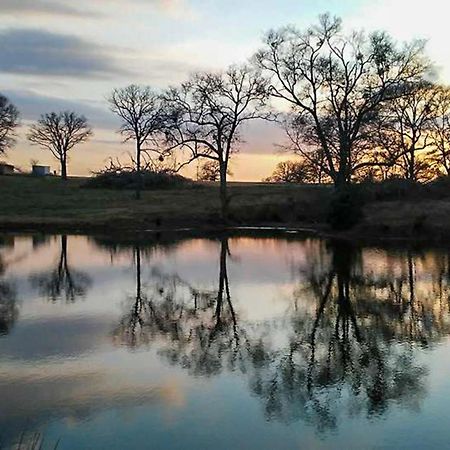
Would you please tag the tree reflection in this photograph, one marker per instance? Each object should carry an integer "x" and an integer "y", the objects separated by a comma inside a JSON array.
[
  {"x": 347, "y": 345},
  {"x": 8, "y": 308},
  {"x": 62, "y": 282},
  {"x": 342, "y": 355},
  {"x": 200, "y": 325}
]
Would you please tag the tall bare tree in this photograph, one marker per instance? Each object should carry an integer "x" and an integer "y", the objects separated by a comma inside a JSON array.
[
  {"x": 404, "y": 129},
  {"x": 205, "y": 116},
  {"x": 139, "y": 108},
  {"x": 60, "y": 133},
  {"x": 440, "y": 129},
  {"x": 335, "y": 84},
  {"x": 9, "y": 116}
]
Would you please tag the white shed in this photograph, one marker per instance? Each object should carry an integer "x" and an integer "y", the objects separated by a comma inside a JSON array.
[{"x": 40, "y": 171}]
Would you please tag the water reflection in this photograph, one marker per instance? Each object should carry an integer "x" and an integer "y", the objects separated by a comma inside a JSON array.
[
  {"x": 200, "y": 325},
  {"x": 8, "y": 307},
  {"x": 319, "y": 333},
  {"x": 61, "y": 282},
  {"x": 342, "y": 356},
  {"x": 347, "y": 341}
]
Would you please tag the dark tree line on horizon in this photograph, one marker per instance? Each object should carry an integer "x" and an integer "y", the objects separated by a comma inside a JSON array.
[{"x": 357, "y": 106}]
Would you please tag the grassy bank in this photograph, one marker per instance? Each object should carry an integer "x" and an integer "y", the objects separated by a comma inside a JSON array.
[
  {"x": 49, "y": 204},
  {"x": 39, "y": 203}
]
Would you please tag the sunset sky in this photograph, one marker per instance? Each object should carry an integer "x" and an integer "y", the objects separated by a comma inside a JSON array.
[{"x": 62, "y": 54}]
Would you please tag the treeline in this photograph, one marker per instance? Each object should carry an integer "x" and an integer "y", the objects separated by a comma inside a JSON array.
[
  {"x": 408, "y": 138},
  {"x": 359, "y": 106}
]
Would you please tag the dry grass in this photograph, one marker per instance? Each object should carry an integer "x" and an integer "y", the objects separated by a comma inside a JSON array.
[
  {"x": 423, "y": 218},
  {"x": 49, "y": 204}
]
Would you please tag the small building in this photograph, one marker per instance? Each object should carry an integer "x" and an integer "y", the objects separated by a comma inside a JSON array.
[
  {"x": 40, "y": 171},
  {"x": 6, "y": 169}
]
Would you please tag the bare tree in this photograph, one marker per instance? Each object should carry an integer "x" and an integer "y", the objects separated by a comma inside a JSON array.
[
  {"x": 210, "y": 171},
  {"x": 139, "y": 108},
  {"x": 292, "y": 172},
  {"x": 205, "y": 116},
  {"x": 9, "y": 116},
  {"x": 405, "y": 129},
  {"x": 440, "y": 129},
  {"x": 60, "y": 133},
  {"x": 335, "y": 84}
]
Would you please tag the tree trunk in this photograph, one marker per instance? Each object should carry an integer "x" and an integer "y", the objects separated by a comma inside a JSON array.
[
  {"x": 412, "y": 163},
  {"x": 447, "y": 169},
  {"x": 223, "y": 191},
  {"x": 341, "y": 180},
  {"x": 63, "y": 168},
  {"x": 138, "y": 172},
  {"x": 343, "y": 176}
]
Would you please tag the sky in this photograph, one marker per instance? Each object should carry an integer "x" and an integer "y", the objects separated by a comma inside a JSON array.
[{"x": 60, "y": 54}]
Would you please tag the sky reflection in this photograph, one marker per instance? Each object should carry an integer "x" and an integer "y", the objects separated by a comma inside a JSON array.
[{"x": 286, "y": 342}]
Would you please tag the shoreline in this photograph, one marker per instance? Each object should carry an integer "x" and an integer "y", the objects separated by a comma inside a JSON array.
[
  {"x": 50, "y": 206},
  {"x": 212, "y": 231}
]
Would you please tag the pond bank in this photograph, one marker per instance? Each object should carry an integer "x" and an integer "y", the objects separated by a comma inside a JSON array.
[{"x": 52, "y": 206}]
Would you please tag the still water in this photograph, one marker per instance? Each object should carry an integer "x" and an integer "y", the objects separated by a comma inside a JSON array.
[{"x": 223, "y": 343}]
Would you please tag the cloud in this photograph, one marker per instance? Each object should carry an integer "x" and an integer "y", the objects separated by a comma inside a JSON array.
[
  {"x": 31, "y": 105},
  {"x": 40, "y": 7},
  {"x": 406, "y": 22},
  {"x": 172, "y": 9},
  {"x": 38, "y": 52},
  {"x": 176, "y": 8}
]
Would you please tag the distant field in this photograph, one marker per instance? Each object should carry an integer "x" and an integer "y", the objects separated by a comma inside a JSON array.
[{"x": 49, "y": 204}]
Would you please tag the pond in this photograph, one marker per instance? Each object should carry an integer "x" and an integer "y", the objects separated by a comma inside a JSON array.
[{"x": 223, "y": 342}]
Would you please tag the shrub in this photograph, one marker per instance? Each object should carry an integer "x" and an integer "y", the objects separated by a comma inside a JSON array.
[
  {"x": 439, "y": 188},
  {"x": 345, "y": 209},
  {"x": 126, "y": 179},
  {"x": 392, "y": 189}
]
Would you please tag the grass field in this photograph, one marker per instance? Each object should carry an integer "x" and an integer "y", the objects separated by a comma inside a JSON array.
[{"x": 49, "y": 204}]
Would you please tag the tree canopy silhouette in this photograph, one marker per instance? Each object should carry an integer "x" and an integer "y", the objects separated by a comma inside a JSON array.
[
  {"x": 335, "y": 84},
  {"x": 9, "y": 120},
  {"x": 205, "y": 116},
  {"x": 60, "y": 133},
  {"x": 140, "y": 110}
]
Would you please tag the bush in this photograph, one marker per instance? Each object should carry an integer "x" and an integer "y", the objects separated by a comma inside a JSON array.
[
  {"x": 345, "y": 209},
  {"x": 397, "y": 189},
  {"x": 129, "y": 180},
  {"x": 439, "y": 188},
  {"x": 393, "y": 189}
]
